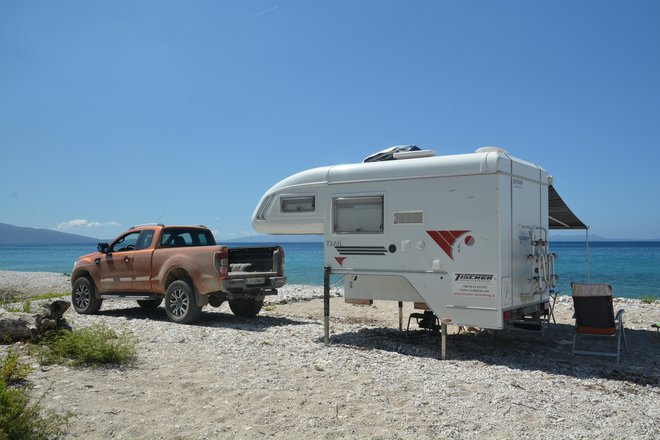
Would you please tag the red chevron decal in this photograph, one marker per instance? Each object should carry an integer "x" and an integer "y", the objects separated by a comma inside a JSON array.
[
  {"x": 340, "y": 260},
  {"x": 446, "y": 240}
]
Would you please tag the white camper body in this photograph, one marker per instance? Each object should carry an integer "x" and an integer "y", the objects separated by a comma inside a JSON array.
[{"x": 465, "y": 234}]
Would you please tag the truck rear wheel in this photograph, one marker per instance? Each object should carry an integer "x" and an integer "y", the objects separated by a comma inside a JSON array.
[
  {"x": 83, "y": 296},
  {"x": 149, "y": 304},
  {"x": 246, "y": 307},
  {"x": 180, "y": 303}
]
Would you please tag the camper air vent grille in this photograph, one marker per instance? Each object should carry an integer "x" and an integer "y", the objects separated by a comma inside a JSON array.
[{"x": 410, "y": 217}]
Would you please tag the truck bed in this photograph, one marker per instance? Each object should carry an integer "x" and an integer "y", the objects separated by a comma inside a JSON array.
[{"x": 254, "y": 261}]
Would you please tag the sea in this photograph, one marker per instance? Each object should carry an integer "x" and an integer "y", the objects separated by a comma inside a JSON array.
[{"x": 631, "y": 267}]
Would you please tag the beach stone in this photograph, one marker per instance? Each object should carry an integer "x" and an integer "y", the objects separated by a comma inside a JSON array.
[{"x": 16, "y": 326}]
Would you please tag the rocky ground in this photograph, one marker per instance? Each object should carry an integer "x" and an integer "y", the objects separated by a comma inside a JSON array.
[
  {"x": 272, "y": 377},
  {"x": 19, "y": 285}
]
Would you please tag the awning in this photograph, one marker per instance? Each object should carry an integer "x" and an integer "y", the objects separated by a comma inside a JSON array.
[{"x": 560, "y": 215}]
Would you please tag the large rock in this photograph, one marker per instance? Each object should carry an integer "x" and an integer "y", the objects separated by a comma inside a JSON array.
[
  {"x": 22, "y": 326},
  {"x": 16, "y": 326}
]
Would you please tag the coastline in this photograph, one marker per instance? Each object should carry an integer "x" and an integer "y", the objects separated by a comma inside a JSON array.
[{"x": 629, "y": 266}]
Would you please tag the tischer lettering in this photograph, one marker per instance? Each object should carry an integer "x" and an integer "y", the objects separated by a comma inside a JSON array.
[{"x": 473, "y": 277}]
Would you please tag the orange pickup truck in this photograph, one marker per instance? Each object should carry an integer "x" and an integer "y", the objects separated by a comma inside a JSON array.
[{"x": 181, "y": 265}]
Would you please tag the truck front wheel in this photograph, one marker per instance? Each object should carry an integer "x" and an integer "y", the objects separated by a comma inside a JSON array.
[
  {"x": 83, "y": 296},
  {"x": 180, "y": 303},
  {"x": 246, "y": 307}
]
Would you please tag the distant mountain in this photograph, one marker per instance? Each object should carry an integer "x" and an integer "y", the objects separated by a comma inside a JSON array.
[
  {"x": 275, "y": 239},
  {"x": 576, "y": 237},
  {"x": 10, "y": 234}
]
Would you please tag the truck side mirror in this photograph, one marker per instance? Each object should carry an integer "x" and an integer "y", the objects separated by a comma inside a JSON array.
[{"x": 103, "y": 248}]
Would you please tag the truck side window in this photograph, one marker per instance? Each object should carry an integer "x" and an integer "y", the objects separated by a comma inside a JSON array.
[
  {"x": 186, "y": 237},
  {"x": 125, "y": 243},
  {"x": 179, "y": 240},
  {"x": 202, "y": 239},
  {"x": 176, "y": 239},
  {"x": 171, "y": 239},
  {"x": 358, "y": 215},
  {"x": 144, "y": 240}
]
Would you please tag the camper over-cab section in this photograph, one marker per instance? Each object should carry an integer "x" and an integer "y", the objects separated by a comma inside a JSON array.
[{"x": 466, "y": 234}]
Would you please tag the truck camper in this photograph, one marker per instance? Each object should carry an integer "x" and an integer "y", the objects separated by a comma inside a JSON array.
[{"x": 465, "y": 236}]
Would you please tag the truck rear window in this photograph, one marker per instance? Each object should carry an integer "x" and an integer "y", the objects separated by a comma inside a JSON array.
[{"x": 186, "y": 237}]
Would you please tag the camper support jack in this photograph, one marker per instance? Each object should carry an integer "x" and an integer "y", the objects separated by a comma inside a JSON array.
[
  {"x": 443, "y": 340},
  {"x": 326, "y": 304}
]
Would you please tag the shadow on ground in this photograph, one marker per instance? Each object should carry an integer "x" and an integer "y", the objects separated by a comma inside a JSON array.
[
  {"x": 550, "y": 353},
  {"x": 208, "y": 318}
]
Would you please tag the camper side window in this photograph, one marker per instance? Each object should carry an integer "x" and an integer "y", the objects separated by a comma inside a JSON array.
[
  {"x": 297, "y": 204},
  {"x": 358, "y": 215}
]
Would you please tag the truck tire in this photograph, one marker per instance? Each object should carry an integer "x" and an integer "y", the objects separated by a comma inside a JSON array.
[
  {"x": 180, "y": 303},
  {"x": 83, "y": 296},
  {"x": 149, "y": 304},
  {"x": 246, "y": 307}
]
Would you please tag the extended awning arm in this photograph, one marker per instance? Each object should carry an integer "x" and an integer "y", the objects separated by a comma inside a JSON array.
[{"x": 559, "y": 221}]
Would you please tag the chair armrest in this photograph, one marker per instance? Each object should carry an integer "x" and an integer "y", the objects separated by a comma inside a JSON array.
[{"x": 619, "y": 314}]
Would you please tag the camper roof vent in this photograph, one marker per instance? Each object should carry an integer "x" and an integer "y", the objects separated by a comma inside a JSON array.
[
  {"x": 491, "y": 150},
  {"x": 414, "y": 154},
  {"x": 399, "y": 152}
]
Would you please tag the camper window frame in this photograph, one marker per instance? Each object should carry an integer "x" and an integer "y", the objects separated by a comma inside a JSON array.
[
  {"x": 335, "y": 213},
  {"x": 290, "y": 197}
]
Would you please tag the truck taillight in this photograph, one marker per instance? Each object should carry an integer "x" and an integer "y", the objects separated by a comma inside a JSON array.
[{"x": 221, "y": 260}]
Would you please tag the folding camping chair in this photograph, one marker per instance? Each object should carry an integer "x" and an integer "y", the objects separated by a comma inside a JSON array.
[{"x": 594, "y": 316}]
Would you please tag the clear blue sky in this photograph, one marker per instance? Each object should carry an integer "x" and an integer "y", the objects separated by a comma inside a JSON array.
[{"x": 113, "y": 113}]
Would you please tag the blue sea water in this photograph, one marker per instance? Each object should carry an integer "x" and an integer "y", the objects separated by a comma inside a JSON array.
[{"x": 631, "y": 267}]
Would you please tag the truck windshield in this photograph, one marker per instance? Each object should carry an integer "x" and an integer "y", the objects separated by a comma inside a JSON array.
[{"x": 186, "y": 237}]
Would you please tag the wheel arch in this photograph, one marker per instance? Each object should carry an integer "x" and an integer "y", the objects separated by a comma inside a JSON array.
[
  {"x": 84, "y": 273},
  {"x": 177, "y": 274},
  {"x": 181, "y": 274}
]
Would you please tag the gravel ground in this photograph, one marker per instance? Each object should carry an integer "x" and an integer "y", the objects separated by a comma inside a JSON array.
[
  {"x": 29, "y": 284},
  {"x": 272, "y": 377}
]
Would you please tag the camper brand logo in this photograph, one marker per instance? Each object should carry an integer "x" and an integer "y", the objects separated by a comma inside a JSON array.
[
  {"x": 340, "y": 260},
  {"x": 447, "y": 239},
  {"x": 473, "y": 277}
]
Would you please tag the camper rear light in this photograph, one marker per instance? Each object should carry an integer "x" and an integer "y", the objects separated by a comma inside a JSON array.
[{"x": 221, "y": 261}]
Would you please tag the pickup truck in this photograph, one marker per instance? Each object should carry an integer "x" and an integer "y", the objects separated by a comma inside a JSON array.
[{"x": 181, "y": 265}]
